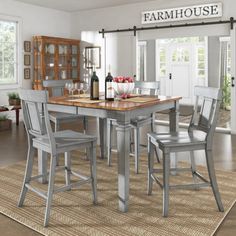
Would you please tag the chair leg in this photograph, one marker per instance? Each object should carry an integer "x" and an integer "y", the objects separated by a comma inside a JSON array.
[
  {"x": 212, "y": 176},
  {"x": 136, "y": 148},
  {"x": 150, "y": 166},
  {"x": 166, "y": 173},
  {"x": 28, "y": 173},
  {"x": 50, "y": 190},
  {"x": 67, "y": 167},
  {"x": 193, "y": 168},
  {"x": 93, "y": 171},
  {"x": 132, "y": 141},
  {"x": 153, "y": 130},
  {"x": 56, "y": 129},
  {"x": 85, "y": 124},
  {"x": 153, "y": 123},
  {"x": 157, "y": 156},
  {"x": 109, "y": 141}
]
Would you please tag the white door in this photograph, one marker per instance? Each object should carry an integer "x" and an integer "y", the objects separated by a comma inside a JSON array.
[
  {"x": 180, "y": 79},
  {"x": 181, "y": 65}
]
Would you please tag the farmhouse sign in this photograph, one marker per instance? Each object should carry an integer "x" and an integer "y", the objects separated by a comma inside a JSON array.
[{"x": 182, "y": 13}]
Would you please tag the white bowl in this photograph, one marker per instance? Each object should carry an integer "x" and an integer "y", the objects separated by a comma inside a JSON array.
[{"x": 123, "y": 88}]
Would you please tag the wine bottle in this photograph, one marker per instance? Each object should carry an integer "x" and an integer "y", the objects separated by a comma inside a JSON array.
[
  {"x": 109, "y": 88},
  {"x": 94, "y": 93}
]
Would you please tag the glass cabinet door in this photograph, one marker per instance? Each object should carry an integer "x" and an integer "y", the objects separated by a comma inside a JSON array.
[
  {"x": 63, "y": 58},
  {"x": 74, "y": 62},
  {"x": 49, "y": 60}
]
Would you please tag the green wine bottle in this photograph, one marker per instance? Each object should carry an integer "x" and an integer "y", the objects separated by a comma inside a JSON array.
[{"x": 94, "y": 93}]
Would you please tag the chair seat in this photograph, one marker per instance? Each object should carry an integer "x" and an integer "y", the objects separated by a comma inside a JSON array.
[
  {"x": 64, "y": 140},
  {"x": 60, "y": 116},
  {"x": 177, "y": 139}
]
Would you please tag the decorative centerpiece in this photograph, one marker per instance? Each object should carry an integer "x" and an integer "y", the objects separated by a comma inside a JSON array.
[{"x": 123, "y": 86}]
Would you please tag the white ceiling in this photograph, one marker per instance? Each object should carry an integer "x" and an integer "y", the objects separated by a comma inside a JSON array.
[{"x": 77, "y": 5}]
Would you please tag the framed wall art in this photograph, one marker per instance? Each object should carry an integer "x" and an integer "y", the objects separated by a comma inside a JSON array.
[
  {"x": 27, "y": 73},
  {"x": 27, "y": 46},
  {"x": 27, "y": 60},
  {"x": 93, "y": 57}
]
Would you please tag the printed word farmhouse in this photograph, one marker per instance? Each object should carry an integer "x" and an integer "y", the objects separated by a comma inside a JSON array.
[{"x": 182, "y": 13}]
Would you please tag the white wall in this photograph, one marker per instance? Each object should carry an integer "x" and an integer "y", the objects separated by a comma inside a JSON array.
[
  {"x": 35, "y": 21},
  {"x": 213, "y": 61},
  {"x": 151, "y": 60},
  {"x": 127, "y": 16},
  {"x": 91, "y": 38}
]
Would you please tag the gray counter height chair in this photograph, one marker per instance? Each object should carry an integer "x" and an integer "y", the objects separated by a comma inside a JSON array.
[
  {"x": 57, "y": 89},
  {"x": 40, "y": 136},
  {"x": 198, "y": 137},
  {"x": 141, "y": 87}
]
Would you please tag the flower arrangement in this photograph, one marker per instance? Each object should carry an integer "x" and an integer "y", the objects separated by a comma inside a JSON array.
[{"x": 124, "y": 86}]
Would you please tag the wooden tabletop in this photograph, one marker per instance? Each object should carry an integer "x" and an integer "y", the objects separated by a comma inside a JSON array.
[{"x": 121, "y": 105}]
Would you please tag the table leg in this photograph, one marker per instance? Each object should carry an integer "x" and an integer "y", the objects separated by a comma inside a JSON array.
[
  {"x": 17, "y": 116},
  {"x": 123, "y": 150},
  {"x": 42, "y": 166},
  {"x": 103, "y": 136},
  {"x": 174, "y": 118}
]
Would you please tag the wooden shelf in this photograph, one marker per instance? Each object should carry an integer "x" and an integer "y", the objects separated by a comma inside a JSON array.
[{"x": 41, "y": 58}]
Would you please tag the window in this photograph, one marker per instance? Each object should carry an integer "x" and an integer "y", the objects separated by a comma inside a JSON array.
[
  {"x": 201, "y": 62},
  {"x": 8, "y": 53},
  {"x": 162, "y": 53},
  {"x": 180, "y": 55}
]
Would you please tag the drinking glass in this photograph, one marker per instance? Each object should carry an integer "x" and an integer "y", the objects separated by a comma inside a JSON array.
[
  {"x": 77, "y": 87},
  {"x": 84, "y": 87},
  {"x": 73, "y": 88},
  {"x": 69, "y": 87}
]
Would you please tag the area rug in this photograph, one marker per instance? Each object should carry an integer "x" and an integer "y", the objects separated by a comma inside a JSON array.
[{"x": 191, "y": 212}]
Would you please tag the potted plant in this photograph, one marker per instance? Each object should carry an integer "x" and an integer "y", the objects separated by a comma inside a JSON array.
[
  {"x": 5, "y": 123},
  {"x": 14, "y": 99}
]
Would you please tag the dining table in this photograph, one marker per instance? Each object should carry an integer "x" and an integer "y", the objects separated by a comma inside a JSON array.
[{"x": 123, "y": 111}]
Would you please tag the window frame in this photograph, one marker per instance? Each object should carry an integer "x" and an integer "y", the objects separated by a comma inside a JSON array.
[{"x": 19, "y": 60}]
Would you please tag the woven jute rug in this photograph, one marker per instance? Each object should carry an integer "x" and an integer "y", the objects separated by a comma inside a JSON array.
[{"x": 191, "y": 212}]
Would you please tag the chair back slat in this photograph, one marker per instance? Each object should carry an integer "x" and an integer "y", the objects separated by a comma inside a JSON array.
[
  {"x": 205, "y": 118},
  {"x": 35, "y": 122},
  {"x": 35, "y": 114},
  {"x": 206, "y": 113},
  {"x": 56, "y": 86},
  {"x": 148, "y": 88}
]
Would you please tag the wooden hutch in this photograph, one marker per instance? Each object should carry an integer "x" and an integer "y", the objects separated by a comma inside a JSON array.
[{"x": 55, "y": 59}]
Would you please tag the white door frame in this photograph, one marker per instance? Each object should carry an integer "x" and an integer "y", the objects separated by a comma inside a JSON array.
[{"x": 233, "y": 74}]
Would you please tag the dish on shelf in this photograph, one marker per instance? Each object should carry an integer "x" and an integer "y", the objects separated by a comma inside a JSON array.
[{"x": 50, "y": 49}]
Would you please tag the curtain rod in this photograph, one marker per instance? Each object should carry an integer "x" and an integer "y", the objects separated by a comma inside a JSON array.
[{"x": 135, "y": 29}]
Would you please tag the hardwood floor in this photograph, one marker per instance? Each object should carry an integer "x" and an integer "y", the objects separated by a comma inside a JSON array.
[{"x": 13, "y": 148}]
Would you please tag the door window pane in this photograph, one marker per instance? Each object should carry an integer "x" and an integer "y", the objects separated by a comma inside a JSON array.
[{"x": 8, "y": 52}]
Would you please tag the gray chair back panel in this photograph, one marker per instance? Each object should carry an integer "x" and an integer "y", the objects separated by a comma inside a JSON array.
[
  {"x": 35, "y": 114},
  {"x": 149, "y": 88},
  {"x": 57, "y": 86},
  {"x": 205, "y": 119}
]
